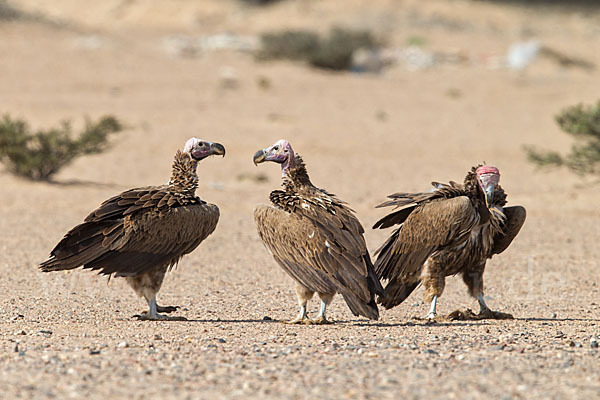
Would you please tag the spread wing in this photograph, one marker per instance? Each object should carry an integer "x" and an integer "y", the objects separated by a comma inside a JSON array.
[
  {"x": 134, "y": 232},
  {"x": 515, "y": 217},
  {"x": 323, "y": 251},
  {"x": 431, "y": 226}
]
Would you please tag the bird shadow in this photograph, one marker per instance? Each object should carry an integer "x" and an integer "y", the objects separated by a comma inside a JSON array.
[
  {"x": 534, "y": 319},
  {"x": 432, "y": 324}
]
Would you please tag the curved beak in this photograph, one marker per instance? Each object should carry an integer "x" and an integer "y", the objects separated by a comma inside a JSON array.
[
  {"x": 217, "y": 149},
  {"x": 259, "y": 157},
  {"x": 489, "y": 194}
]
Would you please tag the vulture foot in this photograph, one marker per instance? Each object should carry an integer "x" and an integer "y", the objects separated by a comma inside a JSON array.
[
  {"x": 489, "y": 314},
  {"x": 318, "y": 321},
  {"x": 469, "y": 315},
  {"x": 166, "y": 309},
  {"x": 145, "y": 316}
]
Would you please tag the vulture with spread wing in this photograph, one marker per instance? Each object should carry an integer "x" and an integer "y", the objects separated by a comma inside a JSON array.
[
  {"x": 316, "y": 239},
  {"x": 450, "y": 230},
  {"x": 141, "y": 233}
]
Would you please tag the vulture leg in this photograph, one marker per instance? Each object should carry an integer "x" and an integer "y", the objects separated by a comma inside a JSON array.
[
  {"x": 326, "y": 299},
  {"x": 147, "y": 285},
  {"x": 433, "y": 279},
  {"x": 474, "y": 280},
  {"x": 486, "y": 313},
  {"x": 304, "y": 295},
  {"x": 432, "y": 313}
]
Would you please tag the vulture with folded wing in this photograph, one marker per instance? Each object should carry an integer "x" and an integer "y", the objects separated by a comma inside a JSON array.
[
  {"x": 316, "y": 239},
  {"x": 141, "y": 233},
  {"x": 450, "y": 230}
]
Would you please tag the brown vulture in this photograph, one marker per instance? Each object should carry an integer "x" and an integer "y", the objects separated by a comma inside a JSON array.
[
  {"x": 452, "y": 229},
  {"x": 141, "y": 233},
  {"x": 316, "y": 239}
]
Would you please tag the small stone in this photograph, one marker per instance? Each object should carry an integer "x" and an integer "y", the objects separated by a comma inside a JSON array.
[
  {"x": 16, "y": 347},
  {"x": 460, "y": 357},
  {"x": 94, "y": 352},
  {"x": 122, "y": 345},
  {"x": 430, "y": 351},
  {"x": 158, "y": 337},
  {"x": 571, "y": 343},
  {"x": 553, "y": 315},
  {"x": 593, "y": 343},
  {"x": 221, "y": 340},
  {"x": 21, "y": 332},
  {"x": 267, "y": 318}
]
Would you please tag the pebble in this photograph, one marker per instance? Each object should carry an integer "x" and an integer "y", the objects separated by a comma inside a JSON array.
[
  {"x": 267, "y": 318},
  {"x": 122, "y": 345},
  {"x": 593, "y": 343},
  {"x": 221, "y": 340},
  {"x": 429, "y": 351}
]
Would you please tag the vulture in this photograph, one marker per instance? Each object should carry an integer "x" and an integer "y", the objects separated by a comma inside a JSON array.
[
  {"x": 452, "y": 229},
  {"x": 316, "y": 239},
  {"x": 141, "y": 233}
]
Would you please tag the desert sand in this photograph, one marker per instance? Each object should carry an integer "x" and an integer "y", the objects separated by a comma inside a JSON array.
[{"x": 363, "y": 136}]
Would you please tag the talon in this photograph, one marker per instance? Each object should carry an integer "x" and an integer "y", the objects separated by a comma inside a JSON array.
[
  {"x": 319, "y": 321},
  {"x": 166, "y": 309}
]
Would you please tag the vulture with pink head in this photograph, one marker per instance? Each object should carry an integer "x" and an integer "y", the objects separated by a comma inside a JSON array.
[
  {"x": 450, "y": 230},
  {"x": 316, "y": 239},
  {"x": 141, "y": 233}
]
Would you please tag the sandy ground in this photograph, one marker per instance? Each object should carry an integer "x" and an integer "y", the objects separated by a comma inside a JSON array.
[{"x": 70, "y": 335}]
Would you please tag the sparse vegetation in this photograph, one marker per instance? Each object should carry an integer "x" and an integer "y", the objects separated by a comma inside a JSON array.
[
  {"x": 331, "y": 52},
  {"x": 583, "y": 123},
  {"x": 40, "y": 155},
  {"x": 8, "y": 12}
]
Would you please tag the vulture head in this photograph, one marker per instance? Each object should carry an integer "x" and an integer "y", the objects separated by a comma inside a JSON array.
[
  {"x": 199, "y": 149},
  {"x": 281, "y": 152},
  {"x": 487, "y": 178}
]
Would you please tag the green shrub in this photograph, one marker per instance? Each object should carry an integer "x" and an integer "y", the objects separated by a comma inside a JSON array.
[
  {"x": 288, "y": 45},
  {"x": 331, "y": 52},
  {"x": 583, "y": 123},
  {"x": 40, "y": 155}
]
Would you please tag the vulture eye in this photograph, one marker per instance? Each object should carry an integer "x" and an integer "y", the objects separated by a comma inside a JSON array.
[{"x": 276, "y": 148}]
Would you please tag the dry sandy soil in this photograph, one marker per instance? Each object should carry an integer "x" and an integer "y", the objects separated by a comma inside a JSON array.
[{"x": 70, "y": 335}]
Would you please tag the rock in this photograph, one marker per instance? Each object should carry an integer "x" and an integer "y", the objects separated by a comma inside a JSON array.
[
  {"x": 221, "y": 340},
  {"x": 122, "y": 345},
  {"x": 593, "y": 343},
  {"x": 430, "y": 351},
  {"x": 267, "y": 318},
  {"x": 94, "y": 352}
]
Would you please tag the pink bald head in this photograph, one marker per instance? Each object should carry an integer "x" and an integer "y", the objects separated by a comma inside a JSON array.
[
  {"x": 280, "y": 152},
  {"x": 488, "y": 178},
  {"x": 199, "y": 149}
]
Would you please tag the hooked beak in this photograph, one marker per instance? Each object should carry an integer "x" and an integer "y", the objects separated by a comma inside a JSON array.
[
  {"x": 259, "y": 157},
  {"x": 217, "y": 149},
  {"x": 489, "y": 194}
]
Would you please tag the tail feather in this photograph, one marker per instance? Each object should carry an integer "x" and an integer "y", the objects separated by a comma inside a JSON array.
[
  {"x": 359, "y": 307},
  {"x": 396, "y": 292}
]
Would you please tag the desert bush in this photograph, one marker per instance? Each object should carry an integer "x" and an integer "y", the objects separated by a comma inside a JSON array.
[
  {"x": 583, "y": 123},
  {"x": 330, "y": 52},
  {"x": 8, "y": 12},
  {"x": 42, "y": 154},
  {"x": 289, "y": 45}
]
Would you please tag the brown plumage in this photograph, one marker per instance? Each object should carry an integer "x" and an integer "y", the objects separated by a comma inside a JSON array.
[
  {"x": 316, "y": 239},
  {"x": 452, "y": 229},
  {"x": 141, "y": 233}
]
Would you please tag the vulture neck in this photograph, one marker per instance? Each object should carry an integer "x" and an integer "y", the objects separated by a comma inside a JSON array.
[
  {"x": 295, "y": 175},
  {"x": 184, "y": 177}
]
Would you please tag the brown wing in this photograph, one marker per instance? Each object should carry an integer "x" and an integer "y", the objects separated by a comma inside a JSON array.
[
  {"x": 515, "y": 217},
  {"x": 430, "y": 227},
  {"x": 134, "y": 232},
  {"x": 322, "y": 251}
]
